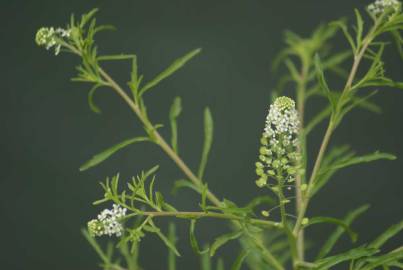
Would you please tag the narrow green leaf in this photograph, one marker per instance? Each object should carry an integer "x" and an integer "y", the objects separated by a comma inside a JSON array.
[
  {"x": 97, "y": 159},
  {"x": 292, "y": 69},
  {"x": 94, "y": 244},
  {"x": 85, "y": 18},
  {"x": 359, "y": 102},
  {"x": 116, "y": 57},
  {"x": 362, "y": 159},
  {"x": 208, "y": 140},
  {"x": 384, "y": 237},
  {"x": 193, "y": 240},
  {"x": 183, "y": 183},
  {"x": 204, "y": 197},
  {"x": 334, "y": 237},
  {"x": 152, "y": 228},
  {"x": 342, "y": 160},
  {"x": 338, "y": 222},
  {"x": 391, "y": 257},
  {"x": 360, "y": 27},
  {"x": 317, "y": 119},
  {"x": 172, "y": 238},
  {"x": 399, "y": 42},
  {"x": 222, "y": 240},
  {"x": 176, "y": 65},
  {"x": 343, "y": 26},
  {"x": 327, "y": 263},
  {"x": 91, "y": 102},
  {"x": 323, "y": 84},
  {"x": 239, "y": 260},
  {"x": 336, "y": 59},
  {"x": 175, "y": 111}
]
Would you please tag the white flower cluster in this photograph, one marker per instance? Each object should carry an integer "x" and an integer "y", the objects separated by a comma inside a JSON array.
[
  {"x": 282, "y": 119},
  {"x": 48, "y": 37},
  {"x": 108, "y": 222},
  {"x": 380, "y": 6},
  {"x": 278, "y": 154}
]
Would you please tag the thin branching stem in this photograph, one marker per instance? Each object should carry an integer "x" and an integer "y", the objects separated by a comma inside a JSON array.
[
  {"x": 332, "y": 122},
  {"x": 195, "y": 215}
]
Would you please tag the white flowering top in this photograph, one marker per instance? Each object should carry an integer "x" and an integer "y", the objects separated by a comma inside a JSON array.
[
  {"x": 282, "y": 119},
  {"x": 49, "y": 37},
  {"x": 108, "y": 222},
  {"x": 380, "y": 6},
  {"x": 278, "y": 154}
]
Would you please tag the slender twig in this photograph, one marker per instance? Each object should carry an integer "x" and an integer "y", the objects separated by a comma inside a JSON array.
[
  {"x": 301, "y": 89},
  {"x": 331, "y": 125},
  {"x": 196, "y": 215}
]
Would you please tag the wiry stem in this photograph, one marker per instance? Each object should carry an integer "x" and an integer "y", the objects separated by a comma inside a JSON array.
[
  {"x": 159, "y": 140},
  {"x": 331, "y": 126},
  {"x": 192, "y": 214},
  {"x": 301, "y": 89}
]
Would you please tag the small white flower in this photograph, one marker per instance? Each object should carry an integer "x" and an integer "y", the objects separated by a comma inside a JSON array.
[
  {"x": 278, "y": 153},
  {"x": 108, "y": 222},
  {"x": 48, "y": 37},
  {"x": 381, "y": 6}
]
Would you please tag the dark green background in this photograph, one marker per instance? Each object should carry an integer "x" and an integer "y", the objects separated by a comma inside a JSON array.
[{"x": 47, "y": 130}]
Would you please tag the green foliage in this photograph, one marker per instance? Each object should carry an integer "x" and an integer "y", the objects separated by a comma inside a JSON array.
[
  {"x": 174, "y": 113},
  {"x": 208, "y": 141},
  {"x": 175, "y": 66},
  {"x": 272, "y": 239},
  {"x": 334, "y": 237},
  {"x": 104, "y": 155},
  {"x": 341, "y": 158}
]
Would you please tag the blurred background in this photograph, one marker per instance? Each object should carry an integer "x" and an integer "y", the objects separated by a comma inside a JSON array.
[{"x": 48, "y": 131}]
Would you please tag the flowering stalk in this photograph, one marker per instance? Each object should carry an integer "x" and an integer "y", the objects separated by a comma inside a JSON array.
[{"x": 279, "y": 157}]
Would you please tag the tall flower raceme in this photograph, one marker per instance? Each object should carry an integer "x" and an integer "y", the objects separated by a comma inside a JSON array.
[
  {"x": 109, "y": 222},
  {"x": 279, "y": 158},
  {"x": 379, "y": 7},
  {"x": 49, "y": 37}
]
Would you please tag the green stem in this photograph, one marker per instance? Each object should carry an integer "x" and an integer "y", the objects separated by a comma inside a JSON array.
[
  {"x": 299, "y": 180},
  {"x": 332, "y": 123},
  {"x": 193, "y": 215}
]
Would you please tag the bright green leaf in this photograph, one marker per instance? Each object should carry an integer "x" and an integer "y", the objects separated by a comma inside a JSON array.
[
  {"x": 175, "y": 111},
  {"x": 208, "y": 140},
  {"x": 193, "y": 240}
]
